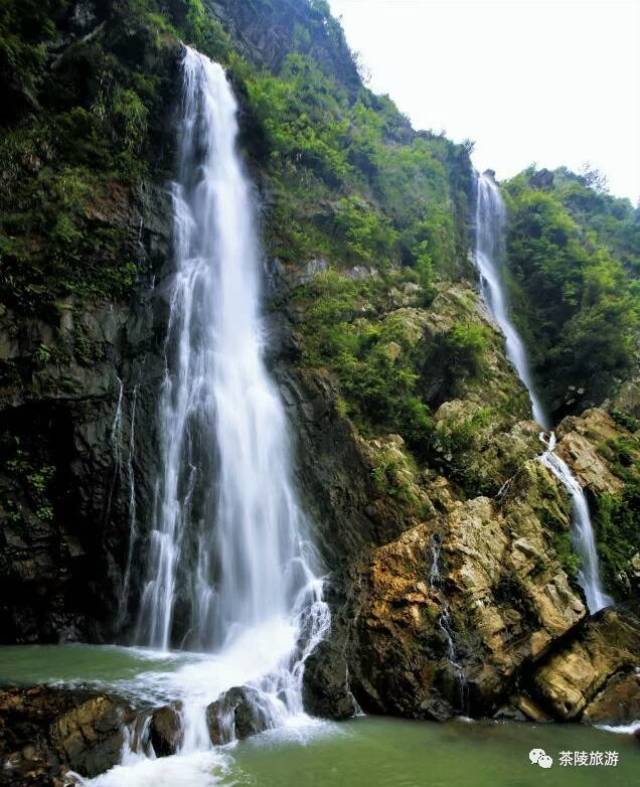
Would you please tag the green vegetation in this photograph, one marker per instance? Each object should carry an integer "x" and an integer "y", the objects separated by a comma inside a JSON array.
[
  {"x": 618, "y": 517},
  {"x": 572, "y": 255},
  {"x": 378, "y": 361},
  {"x": 86, "y": 131},
  {"x": 462, "y": 353},
  {"x": 392, "y": 370},
  {"x": 35, "y": 481},
  {"x": 350, "y": 180}
]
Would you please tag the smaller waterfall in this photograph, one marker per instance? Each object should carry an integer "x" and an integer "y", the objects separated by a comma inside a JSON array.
[
  {"x": 582, "y": 531},
  {"x": 489, "y": 256},
  {"x": 116, "y": 446},
  {"x": 490, "y": 233},
  {"x": 133, "y": 523},
  {"x": 445, "y": 624},
  {"x": 124, "y": 475}
]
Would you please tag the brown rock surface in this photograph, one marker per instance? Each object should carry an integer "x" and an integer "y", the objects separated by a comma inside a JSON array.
[
  {"x": 617, "y": 703},
  {"x": 165, "y": 730},
  {"x": 589, "y": 668},
  {"x": 46, "y": 731}
]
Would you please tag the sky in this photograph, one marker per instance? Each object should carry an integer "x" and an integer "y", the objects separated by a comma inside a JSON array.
[{"x": 545, "y": 82}]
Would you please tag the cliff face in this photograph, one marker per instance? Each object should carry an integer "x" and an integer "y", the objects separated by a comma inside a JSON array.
[
  {"x": 450, "y": 572},
  {"x": 86, "y": 231}
]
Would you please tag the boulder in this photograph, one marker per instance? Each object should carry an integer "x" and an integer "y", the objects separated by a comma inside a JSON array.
[
  {"x": 90, "y": 737},
  {"x": 617, "y": 703},
  {"x": 237, "y": 714},
  {"x": 326, "y": 689},
  {"x": 165, "y": 730},
  {"x": 46, "y": 731},
  {"x": 589, "y": 675}
]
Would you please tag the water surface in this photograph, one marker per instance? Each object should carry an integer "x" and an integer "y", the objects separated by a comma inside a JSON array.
[{"x": 367, "y": 752}]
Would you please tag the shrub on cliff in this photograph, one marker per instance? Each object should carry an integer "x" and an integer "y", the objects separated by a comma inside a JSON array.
[{"x": 574, "y": 295}]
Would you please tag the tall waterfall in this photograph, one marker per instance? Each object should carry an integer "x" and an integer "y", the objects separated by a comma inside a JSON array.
[
  {"x": 490, "y": 251},
  {"x": 489, "y": 256},
  {"x": 228, "y": 550}
]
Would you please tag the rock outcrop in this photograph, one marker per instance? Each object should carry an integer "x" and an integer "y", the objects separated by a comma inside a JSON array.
[
  {"x": 236, "y": 714},
  {"x": 593, "y": 676},
  {"x": 45, "y": 732}
]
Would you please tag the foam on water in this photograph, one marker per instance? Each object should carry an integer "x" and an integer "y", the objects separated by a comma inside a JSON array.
[{"x": 198, "y": 769}]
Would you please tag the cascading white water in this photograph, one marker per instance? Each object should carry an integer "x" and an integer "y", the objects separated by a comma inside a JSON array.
[
  {"x": 582, "y": 533},
  {"x": 489, "y": 256},
  {"x": 133, "y": 523},
  {"x": 229, "y": 547},
  {"x": 225, "y": 496}
]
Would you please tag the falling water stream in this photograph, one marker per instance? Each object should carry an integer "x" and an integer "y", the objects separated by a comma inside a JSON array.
[
  {"x": 229, "y": 552},
  {"x": 445, "y": 623},
  {"x": 489, "y": 256},
  {"x": 582, "y": 534}
]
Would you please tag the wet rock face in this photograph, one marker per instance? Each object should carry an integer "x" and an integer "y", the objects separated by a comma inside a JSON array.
[
  {"x": 90, "y": 736},
  {"x": 44, "y": 732},
  {"x": 165, "y": 731},
  {"x": 447, "y": 629},
  {"x": 72, "y": 388},
  {"x": 64, "y": 498},
  {"x": 326, "y": 691},
  {"x": 65, "y": 504},
  {"x": 235, "y": 715}
]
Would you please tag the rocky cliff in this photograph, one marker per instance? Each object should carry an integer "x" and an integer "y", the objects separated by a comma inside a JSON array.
[{"x": 451, "y": 576}]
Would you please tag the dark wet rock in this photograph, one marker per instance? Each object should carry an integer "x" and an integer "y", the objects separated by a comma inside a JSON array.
[
  {"x": 236, "y": 714},
  {"x": 45, "y": 731},
  {"x": 326, "y": 689},
  {"x": 543, "y": 179},
  {"x": 165, "y": 730}
]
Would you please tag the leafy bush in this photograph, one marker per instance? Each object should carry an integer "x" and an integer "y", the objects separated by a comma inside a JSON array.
[
  {"x": 368, "y": 237},
  {"x": 378, "y": 363},
  {"x": 401, "y": 192},
  {"x": 573, "y": 299}
]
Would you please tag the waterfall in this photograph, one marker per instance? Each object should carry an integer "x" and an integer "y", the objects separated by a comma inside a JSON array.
[
  {"x": 490, "y": 250},
  {"x": 489, "y": 257},
  {"x": 445, "y": 624},
  {"x": 230, "y": 568},
  {"x": 582, "y": 531},
  {"x": 133, "y": 531}
]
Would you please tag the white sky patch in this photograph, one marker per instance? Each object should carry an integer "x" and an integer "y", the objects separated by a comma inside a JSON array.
[{"x": 549, "y": 82}]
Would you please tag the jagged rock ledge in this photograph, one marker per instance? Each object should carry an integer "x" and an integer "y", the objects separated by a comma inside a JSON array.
[{"x": 47, "y": 731}]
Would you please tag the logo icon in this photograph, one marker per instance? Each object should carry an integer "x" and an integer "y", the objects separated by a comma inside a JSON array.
[{"x": 541, "y": 758}]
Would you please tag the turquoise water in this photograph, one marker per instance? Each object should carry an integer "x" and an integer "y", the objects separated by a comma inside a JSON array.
[
  {"x": 381, "y": 752},
  {"x": 366, "y": 752},
  {"x": 137, "y": 673}
]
